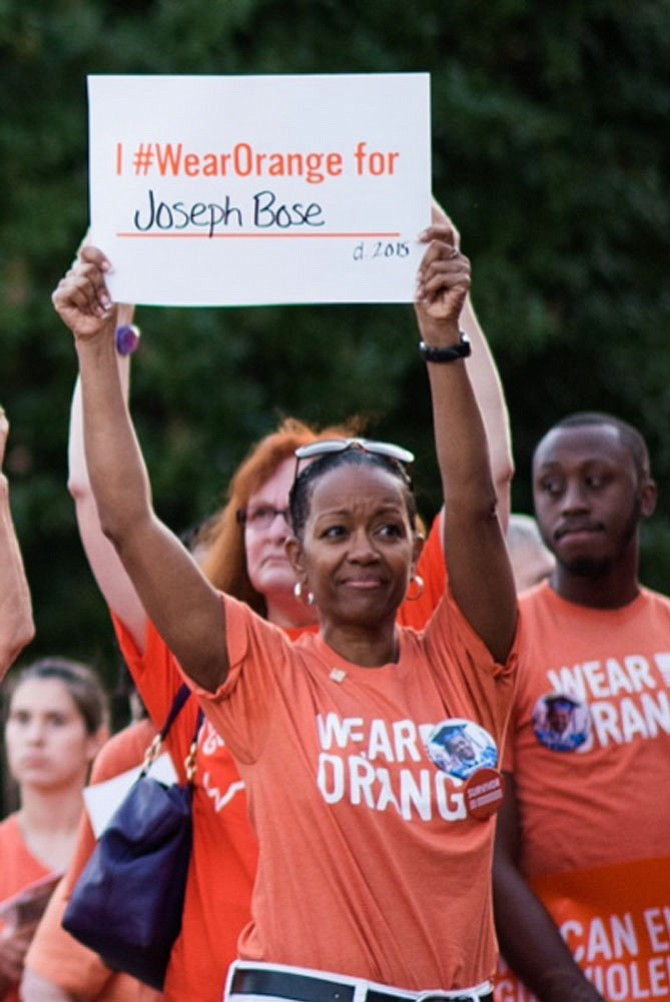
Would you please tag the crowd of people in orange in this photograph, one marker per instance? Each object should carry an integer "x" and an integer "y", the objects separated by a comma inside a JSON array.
[{"x": 424, "y": 766}]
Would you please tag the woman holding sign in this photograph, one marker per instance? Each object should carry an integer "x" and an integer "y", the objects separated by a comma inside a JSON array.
[{"x": 374, "y": 870}]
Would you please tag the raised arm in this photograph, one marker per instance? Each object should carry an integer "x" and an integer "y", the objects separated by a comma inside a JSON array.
[
  {"x": 185, "y": 608},
  {"x": 480, "y": 574},
  {"x": 110, "y": 574},
  {"x": 529, "y": 939},
  {"x": 488, "y": 390},
  {"x": 16, "y": 615}
]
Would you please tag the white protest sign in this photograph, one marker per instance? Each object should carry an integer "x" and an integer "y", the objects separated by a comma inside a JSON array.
[{"x": 215, "y": 190}]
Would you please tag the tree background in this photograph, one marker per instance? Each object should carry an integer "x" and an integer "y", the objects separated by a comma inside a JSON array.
[{"x": 551, "y": 153}]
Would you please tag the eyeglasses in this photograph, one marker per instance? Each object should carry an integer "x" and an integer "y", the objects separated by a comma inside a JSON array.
[
  {"x": 262, "y": 516},
  {"x": 332, "y": 445}
]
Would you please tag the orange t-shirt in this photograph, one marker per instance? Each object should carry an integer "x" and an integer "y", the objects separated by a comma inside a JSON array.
[
  {"x": 593, "y": 793},
  {"x": 589, "y": 746},
  {"x": 370, "y": 865},
  {"x": 56, "y": 955},
  {"x": 18, "y": 869},
  {"x": 224, "y": 855}
]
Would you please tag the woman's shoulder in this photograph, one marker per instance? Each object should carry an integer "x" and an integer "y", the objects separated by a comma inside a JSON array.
[
  {"x": 242, "y": 619},
  {"x": 19, "y": 867}
]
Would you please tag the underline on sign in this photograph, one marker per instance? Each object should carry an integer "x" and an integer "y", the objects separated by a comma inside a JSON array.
[{"x": 255, "y": 236}]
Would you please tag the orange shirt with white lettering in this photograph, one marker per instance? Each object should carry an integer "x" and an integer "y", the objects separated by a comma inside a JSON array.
[
  {"x": 593, "y": 788},
  {"x": 370, "y": 865}
]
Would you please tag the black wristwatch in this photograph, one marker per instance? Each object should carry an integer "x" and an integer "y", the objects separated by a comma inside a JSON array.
[{"x": 451, "y": 354}]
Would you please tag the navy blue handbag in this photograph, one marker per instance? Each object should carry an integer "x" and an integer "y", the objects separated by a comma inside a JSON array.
[{"x": 127, "y": 905}]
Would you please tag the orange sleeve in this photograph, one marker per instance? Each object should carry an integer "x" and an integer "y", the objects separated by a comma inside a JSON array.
[{"x": 158, "y": 680}]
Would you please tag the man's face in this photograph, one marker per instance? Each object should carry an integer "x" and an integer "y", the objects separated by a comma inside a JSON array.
[
  {"x": 587, "y": 497},
  {"x": 461, "y": 747},
  {"x": 558, "y": 717}
]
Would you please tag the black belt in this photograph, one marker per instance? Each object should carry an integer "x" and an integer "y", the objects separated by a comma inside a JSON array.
[{"x": 303, "y": 988}]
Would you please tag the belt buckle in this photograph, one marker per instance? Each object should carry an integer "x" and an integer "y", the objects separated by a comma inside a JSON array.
[
  {"x": 439, "y": 997},
  {"x": 465, "y": 996}
]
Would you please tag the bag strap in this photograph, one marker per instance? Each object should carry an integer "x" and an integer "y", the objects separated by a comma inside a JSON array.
[
  {"x": 154, "y": 748},
  {"x": 189, "y": 763},
  {"x": 179, "y": 701}
]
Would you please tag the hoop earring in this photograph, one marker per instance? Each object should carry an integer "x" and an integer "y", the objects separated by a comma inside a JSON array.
[
  {"x": 419, "y": 586},
  {"x": 306, "y": 599}
]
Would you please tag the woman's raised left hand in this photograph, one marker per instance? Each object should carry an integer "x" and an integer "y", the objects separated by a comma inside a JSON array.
[{"x": 443, "y": 282}]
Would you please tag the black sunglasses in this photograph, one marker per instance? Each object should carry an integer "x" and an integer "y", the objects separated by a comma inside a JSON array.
[{"x": 332, "y": 445}]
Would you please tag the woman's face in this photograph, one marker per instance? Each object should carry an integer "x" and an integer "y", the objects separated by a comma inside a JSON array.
[
  {"x": 265, "y": 533},
  {"x": 47, "y": 743},
  {"x": 359, "y": 549}
]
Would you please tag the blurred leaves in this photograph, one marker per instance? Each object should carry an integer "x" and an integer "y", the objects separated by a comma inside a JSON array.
[{"x": 551, "y": 152}]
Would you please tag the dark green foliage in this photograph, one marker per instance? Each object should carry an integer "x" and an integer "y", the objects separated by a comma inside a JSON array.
[{"x": 551, "y": 152}]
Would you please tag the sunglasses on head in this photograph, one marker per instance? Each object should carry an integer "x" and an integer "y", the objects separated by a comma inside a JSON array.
[{"x": 334, "y": 445}]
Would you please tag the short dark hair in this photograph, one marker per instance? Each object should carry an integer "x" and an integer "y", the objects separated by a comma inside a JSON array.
[
  {"x": 630, "y": 436},
  {"x": 303, "y": 486}
]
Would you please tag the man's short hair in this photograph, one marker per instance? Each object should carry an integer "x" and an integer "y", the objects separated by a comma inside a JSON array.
[{"x": 629, "y": 436}]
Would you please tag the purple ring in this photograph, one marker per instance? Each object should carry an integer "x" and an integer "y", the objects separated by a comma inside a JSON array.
[{"x": 127, "y": 339}]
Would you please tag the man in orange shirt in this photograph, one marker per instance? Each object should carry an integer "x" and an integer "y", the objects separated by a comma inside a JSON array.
[{"x": 584, "y": 834}]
